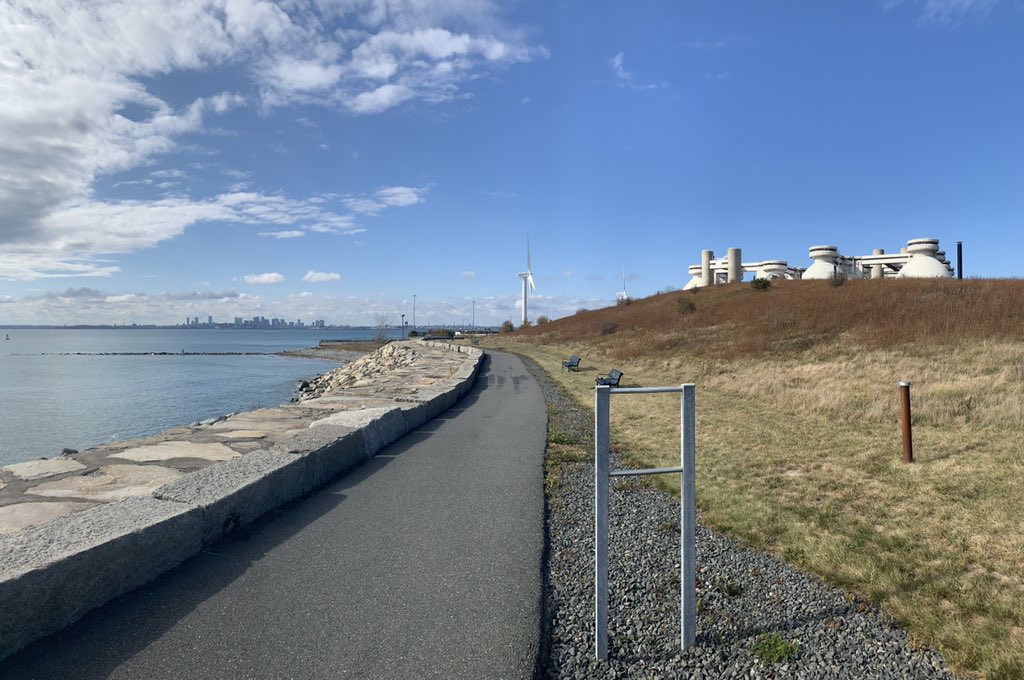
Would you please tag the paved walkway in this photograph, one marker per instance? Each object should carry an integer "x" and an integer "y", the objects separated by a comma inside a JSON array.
[{"x": 424, "y": 562}]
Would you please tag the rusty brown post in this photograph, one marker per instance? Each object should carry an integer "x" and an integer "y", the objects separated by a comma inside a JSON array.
[{"x": 908, "y": 444}]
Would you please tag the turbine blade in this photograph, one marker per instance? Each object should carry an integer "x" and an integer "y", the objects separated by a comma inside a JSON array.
[
  {"x": 529, "y": 278},
  {"x": 528, "y": 267}
]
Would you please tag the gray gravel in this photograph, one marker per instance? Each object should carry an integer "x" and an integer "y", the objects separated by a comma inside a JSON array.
[{"x": 743, "y": 595}]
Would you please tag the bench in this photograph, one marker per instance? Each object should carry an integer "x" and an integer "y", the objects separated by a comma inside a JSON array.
[
  {"x": 611, "y": 379},
  {"x": 572, "y": 363}
]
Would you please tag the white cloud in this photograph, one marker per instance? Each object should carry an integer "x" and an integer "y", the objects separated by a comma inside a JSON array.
[
  {"x": 380, "y": 99},
  {"x": 290, "y": 233},
  {"x": 945, "y": 10},
  {"x": 624, "y": 77},
  {"x": 317, "y": 277},
  {"x": 77, "y": 102},
  {"x": 270, "y": 277},
  {"x": 468, "y": 275},
  {"x": 388, "y": 197},
  {"x": 92, "y": 305},
  {"x": 708, "y": 44}
]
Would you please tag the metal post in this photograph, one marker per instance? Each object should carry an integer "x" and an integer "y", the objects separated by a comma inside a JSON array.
[
  {"x": 687, "y": 523},
  {"x": 601, "y": 437},
  {"x": 908, "y": 444},
  {"x": 959, "y": 259}
]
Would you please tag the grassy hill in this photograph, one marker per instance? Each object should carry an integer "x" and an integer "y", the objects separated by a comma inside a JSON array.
[{"x": 798, "y": 439}]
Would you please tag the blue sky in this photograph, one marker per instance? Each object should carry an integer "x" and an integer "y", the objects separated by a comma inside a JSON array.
[{"x": 333, "y": 158}]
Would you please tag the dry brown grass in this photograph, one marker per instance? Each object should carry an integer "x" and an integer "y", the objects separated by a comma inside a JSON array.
[
  {"x": 798, "y": 439},
  {"x": 795, "y": 316}
]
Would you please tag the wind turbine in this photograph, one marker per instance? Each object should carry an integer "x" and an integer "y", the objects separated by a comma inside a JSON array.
[
  {"x": 622, "y": 296},
  {"x": 527, "y": 278}
]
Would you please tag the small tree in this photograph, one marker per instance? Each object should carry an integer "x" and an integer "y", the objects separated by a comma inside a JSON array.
[
  {"x": 506, "y": 327},
  {"x": 761, "y": 284},
  {"x": 542, "y": 319},
  {"x": 526, "y": 324},
  {"x": 685, "y": 307},
  {"x": 381, "y": 335}
]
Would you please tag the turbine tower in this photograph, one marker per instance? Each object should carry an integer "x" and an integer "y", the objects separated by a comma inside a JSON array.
[
  {"x": 527, "y": 278},
  {"x": 622, "y": 296}
]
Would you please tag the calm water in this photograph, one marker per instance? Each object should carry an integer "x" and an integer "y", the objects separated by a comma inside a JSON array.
[{"x": 50, "y": 402}]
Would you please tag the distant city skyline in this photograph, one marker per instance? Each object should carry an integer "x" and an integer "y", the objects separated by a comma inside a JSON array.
[{"x": 339, "y": 160}]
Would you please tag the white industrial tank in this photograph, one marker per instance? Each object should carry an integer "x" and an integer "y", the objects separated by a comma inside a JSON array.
[{"x": 923, "y": 263}]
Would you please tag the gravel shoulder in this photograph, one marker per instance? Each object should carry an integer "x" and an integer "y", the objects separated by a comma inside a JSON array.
[{"x": 756, "y": 616}]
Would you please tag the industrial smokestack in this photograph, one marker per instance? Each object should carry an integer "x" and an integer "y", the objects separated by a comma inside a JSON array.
[
  {"x": 735, "y": 270},
  {"x": 706, "y": 276}
]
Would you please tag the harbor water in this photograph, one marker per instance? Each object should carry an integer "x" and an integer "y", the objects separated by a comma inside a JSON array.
[{"x": 76, "y": 388}]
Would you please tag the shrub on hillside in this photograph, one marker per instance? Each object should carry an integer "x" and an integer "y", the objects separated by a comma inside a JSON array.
[
  {"x": 609, "y": 328},
  {"x": 685, "y": 307},
  {"x": 506, "y": 327},
  {"x": 443, "y": 333},
  {"x": 542, "y": 319},
  {"x": 414, "y": 334},
  {"x": 761, "y": 284},
  {"x": 838, "y": 278}
]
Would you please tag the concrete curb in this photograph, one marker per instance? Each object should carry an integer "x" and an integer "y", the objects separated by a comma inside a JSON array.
[{"x": 53, "y": 574}]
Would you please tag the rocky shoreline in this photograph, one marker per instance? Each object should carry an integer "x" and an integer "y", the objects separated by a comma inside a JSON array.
[
  {"x": 80, "y": 530},
  {"x": 341, "y": 356}
]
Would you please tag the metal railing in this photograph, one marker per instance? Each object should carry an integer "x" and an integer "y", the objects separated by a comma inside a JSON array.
[{"x": 687, "y": 511}]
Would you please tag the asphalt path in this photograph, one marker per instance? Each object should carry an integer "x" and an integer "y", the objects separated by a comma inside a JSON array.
[{"x": 426, "y": 561}]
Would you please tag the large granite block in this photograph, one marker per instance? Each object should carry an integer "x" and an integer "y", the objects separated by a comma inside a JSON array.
[
  {"x": 327, "y": 451},
  {"x": 237, "y": 492},
  {"x": 51, "y": 575},
  {"x": 380, "y": 426}
]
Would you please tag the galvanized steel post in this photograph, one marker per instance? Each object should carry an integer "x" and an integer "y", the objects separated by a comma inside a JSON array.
[
  {"x": 687, "y": 511},
  {"x": 688, "y": 523},
  {"x": 601, "y": 444},
  {"x": 908, "y": 444}
]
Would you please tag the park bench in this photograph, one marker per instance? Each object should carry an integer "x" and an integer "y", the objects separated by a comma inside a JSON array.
[
  {"x": 572, "y": 363},
  {"x": 611, "y": 379}
]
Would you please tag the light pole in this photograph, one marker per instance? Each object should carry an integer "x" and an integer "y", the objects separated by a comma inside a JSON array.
[
  {"x": 414, "y": 311},
  {"x": 403, "y": 327}
]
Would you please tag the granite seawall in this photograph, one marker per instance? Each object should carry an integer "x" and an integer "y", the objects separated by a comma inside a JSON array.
[{"x": 78, "y": 531}]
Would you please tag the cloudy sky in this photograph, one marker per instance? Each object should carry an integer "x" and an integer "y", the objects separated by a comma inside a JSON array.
[{"x": 331, "y": 159}]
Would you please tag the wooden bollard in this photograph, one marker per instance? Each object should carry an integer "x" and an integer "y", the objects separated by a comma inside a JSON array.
[{"x": 908, "y": 443}]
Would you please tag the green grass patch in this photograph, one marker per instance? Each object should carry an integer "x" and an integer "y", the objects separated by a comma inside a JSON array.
[{"x": 773, "y": 648}]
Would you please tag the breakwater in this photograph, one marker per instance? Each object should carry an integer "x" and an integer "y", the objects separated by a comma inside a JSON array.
[
  {"x": 78, "y": 531},
  {"x": 182, "y": 353}
]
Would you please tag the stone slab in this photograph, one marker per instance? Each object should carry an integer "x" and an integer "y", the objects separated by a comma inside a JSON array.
[
  {"x": 109, "y": 483},
  {"x": 53, "y": 574},
  {"x": 380, "y": 426},
  {"x": 414, "y": 414},
  {"x": 20, "y": 515},
  {"x": 328, "y": 451},
  {"x": 177, "y": 449},
  {"x": 243, "y": 434},
  {"x": 235, "y": 493},
  {"x": 39, "y": 469}
]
